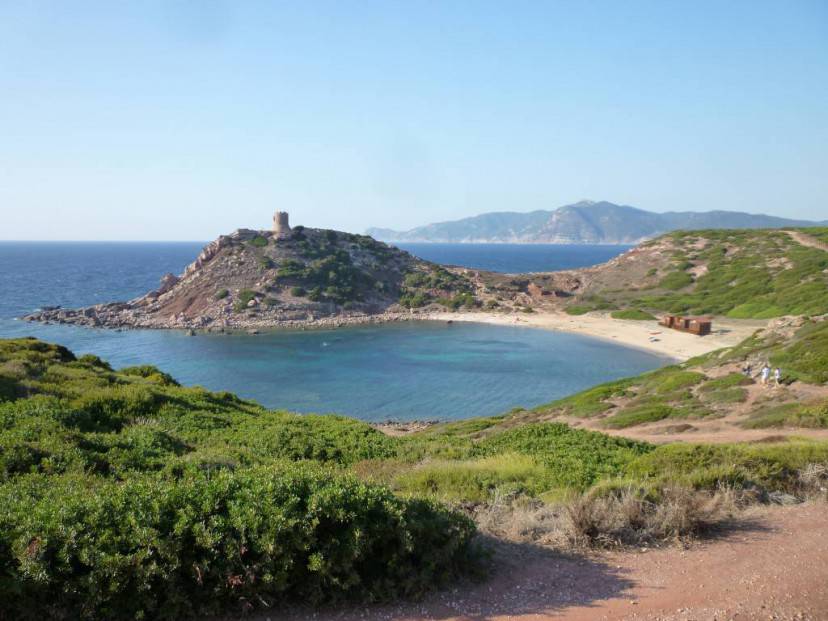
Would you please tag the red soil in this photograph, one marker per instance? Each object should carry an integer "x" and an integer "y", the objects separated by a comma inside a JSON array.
[{"x": 773, "y": 566}]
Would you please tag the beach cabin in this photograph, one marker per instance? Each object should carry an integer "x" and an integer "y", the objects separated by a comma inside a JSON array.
[{"x": 694, "y": 325}]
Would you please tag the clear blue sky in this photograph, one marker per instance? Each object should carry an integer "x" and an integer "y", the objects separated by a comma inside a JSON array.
[{"x": 184, "y": 120}]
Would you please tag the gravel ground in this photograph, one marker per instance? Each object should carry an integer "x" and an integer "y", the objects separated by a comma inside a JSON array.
[{"x": 773, "y": 566}]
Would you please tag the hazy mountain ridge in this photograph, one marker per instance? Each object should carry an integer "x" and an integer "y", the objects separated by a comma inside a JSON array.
[{"x": 585, "y": 222}]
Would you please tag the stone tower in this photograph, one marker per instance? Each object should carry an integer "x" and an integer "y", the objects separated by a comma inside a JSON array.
[{"x": 281, "y": 228}]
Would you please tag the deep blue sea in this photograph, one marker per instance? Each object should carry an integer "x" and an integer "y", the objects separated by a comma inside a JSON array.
[
  {"x": 409, "y": 371},
  {"x": 516, "y": 258}
]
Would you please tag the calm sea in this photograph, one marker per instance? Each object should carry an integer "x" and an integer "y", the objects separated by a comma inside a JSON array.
[{"x": 408, "y": 371}]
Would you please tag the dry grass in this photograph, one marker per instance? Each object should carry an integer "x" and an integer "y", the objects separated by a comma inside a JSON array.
[
  {"x": 612, "y": 517},
  {"x": 622, "y": 517},
  {"x": 813, "y": 480}
]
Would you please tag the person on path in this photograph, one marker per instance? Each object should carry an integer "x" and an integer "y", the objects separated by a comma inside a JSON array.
[
  {"x": 777, "y": 376},
  {"x": 765, "y": 374},
  {"x": 746, "y": 369}
]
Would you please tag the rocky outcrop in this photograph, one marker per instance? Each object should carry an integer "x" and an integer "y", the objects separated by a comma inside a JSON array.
[{"x": 254, "y": 279}]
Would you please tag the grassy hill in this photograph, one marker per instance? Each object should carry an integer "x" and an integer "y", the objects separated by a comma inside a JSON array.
[
  {"x": 713, "y": 387},
  {"x": 125, "y": 495},
  {"x": 737, "y": 273}
]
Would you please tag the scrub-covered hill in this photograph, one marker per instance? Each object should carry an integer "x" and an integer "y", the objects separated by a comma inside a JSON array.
[
  {"x": 124, "y": 495},
  {"x": 256, "y": 279},
  {"x": 738, "y": 273},
  {"x": 721, "y": 393}
]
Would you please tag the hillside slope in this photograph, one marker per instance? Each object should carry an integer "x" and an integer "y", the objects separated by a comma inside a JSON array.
[
  {"x": 251, "y": 279},
  {"x": 739, "y": 273},
  {"x": 712, "y": 396},
  {"x": 586, "y": 222},
  {"x": 124, "y": 495}
]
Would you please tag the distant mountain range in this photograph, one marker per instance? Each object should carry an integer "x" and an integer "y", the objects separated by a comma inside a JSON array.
[{"x": 586, "y": 222}]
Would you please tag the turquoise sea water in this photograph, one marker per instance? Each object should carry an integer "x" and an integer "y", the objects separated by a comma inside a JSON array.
[{"x": 421, "y": 370}]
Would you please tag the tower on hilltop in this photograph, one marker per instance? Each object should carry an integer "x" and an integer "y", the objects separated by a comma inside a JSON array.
[{"x": 281, "y": 228}]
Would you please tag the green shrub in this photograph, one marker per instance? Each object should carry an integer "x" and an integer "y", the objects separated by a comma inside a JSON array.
[
  {"x": 632, "y": 313},
  {"x": 211, "y": 542},
  {"x": 244, "y": 298},
  {"x": 638, "y": 415},
  {"x": 258, "y": 241},
  {"x": 807, "y": 358},
  {"x": 730, "y": 380},
  {"x": 578, "y": 309},
  {"x": 813, "y": 415},
  {"x": 415, "y": 300},
  {"x": 726, "y": 395},
  {"x": 588, "y": 402},
  {"x": 298, "y": 292},
  {"x": 475, "y": 480},
  {"x": 676, "y": 280},
  {"x": 221, "y": 294},
  {"x": 774, "y": 466},
  {"x": 150, "y": 372},
  {"x": 670, "y": 380},
  {"x": 571, "y": 457}
]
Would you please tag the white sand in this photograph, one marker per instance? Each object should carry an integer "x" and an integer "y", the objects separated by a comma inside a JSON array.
[{"x": 672, "y": 343}]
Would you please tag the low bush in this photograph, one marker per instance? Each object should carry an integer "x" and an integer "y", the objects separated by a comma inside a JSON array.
[
  {"x": 572, "y": 457},
  {"x": 632, "y": 313},
  {"x": 244, "y": 298},
  {"x": 211, "y": 542},
  {"x": 589, "y": 402},
  {"x": 813, "y": 415},
  {"x": 708, "y": 466},
  {"x": 676, "y": 280},
  {"x": 638, "y": 415},
  {"x": 475, "y": 480}
]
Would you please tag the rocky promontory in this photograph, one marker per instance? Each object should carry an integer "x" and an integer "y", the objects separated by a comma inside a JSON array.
[{"x": 256, "y": 279}]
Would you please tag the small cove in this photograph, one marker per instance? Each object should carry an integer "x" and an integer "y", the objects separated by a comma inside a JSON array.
[{"x": 413, "y": 370}]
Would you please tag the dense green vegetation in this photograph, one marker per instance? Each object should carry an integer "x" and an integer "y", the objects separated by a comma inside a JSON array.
[
  {"x": 749, "y": 274},
  {"x": 436, "y": 284},
  {"x": 632, "y": 313},
  {"x": 329, "y": 275},
  {"x": 126, "y": 495}
]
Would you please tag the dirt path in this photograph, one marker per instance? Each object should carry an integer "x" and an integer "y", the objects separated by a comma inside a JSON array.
[
  {"x": 774, "y": 567},
  {"x": 806, "y": 240}
]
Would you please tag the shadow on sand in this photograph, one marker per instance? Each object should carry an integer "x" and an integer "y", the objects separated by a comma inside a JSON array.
[{"x": 524, "y": 580}]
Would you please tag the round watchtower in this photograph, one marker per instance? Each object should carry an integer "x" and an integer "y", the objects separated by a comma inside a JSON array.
[{"x": 281, "y": 228}]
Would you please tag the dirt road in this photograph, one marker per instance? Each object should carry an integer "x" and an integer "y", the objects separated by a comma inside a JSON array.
[{"x": 775, "y": 566}]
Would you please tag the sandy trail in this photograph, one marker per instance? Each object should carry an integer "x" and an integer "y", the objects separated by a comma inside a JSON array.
[
  {"x": 807, "y": 240},
  {"x": 775, "y": 566},
  {"x": 670, "y": 343}
]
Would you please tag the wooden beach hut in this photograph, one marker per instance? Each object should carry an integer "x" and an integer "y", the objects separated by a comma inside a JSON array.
[{"x": 694, "y": 325}]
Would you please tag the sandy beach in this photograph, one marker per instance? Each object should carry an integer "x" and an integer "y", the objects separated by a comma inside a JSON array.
[{"x": 647, "y": 335}]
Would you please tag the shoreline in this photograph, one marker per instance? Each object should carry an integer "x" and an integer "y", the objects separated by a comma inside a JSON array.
[
  {"x": 636, "y": 334},
  {"x": 678, "y": 346}
]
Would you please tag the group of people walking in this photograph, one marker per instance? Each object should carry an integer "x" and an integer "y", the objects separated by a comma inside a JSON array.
[{"x": 764, "y": 375}]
